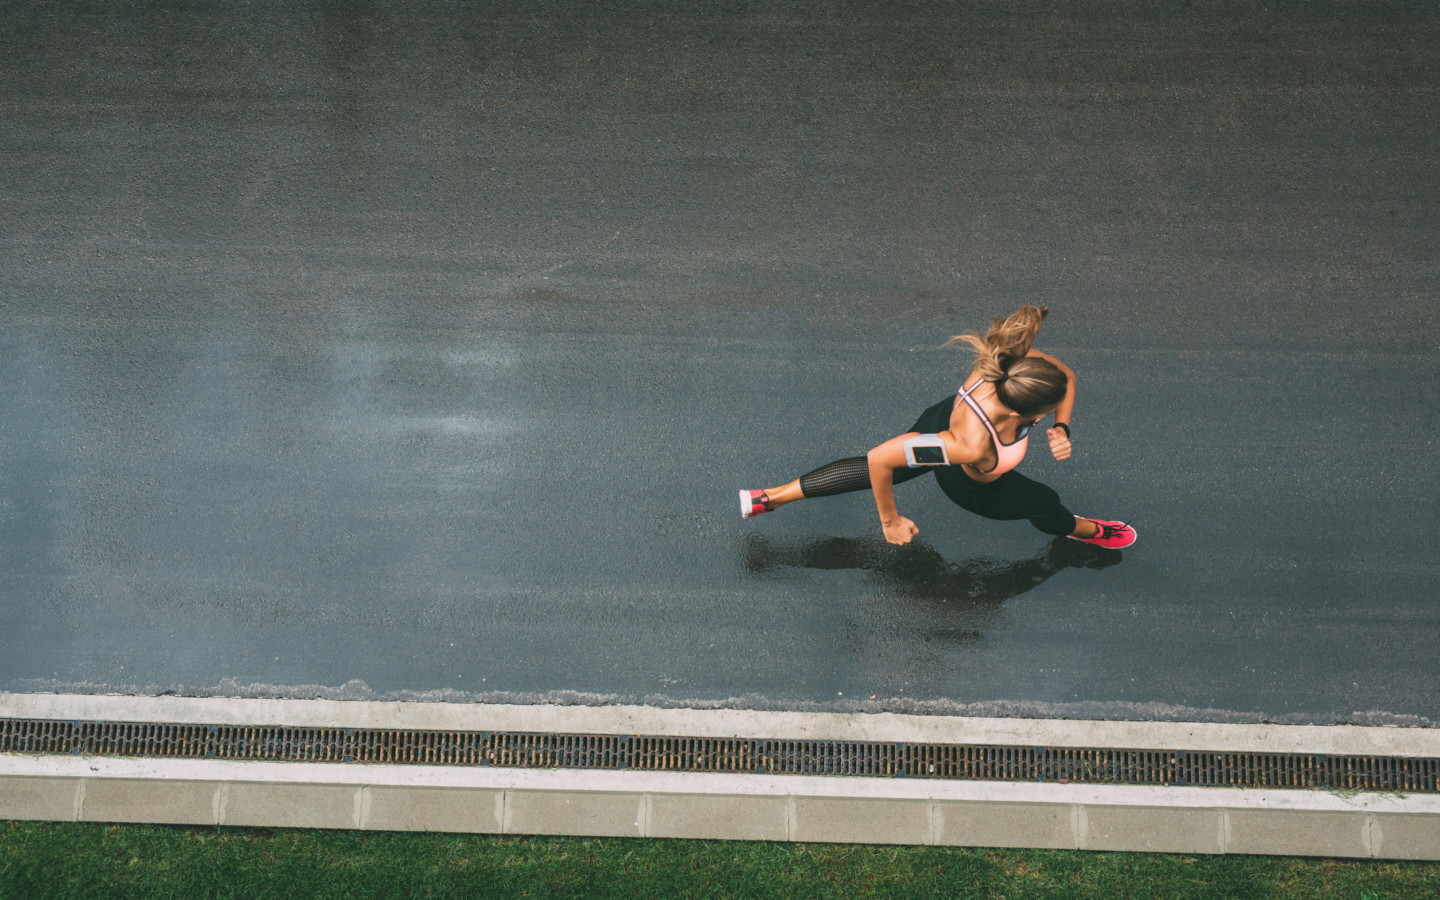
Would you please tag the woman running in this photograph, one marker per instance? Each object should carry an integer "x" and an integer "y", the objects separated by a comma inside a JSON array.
[{"x": 972, "y": 442}]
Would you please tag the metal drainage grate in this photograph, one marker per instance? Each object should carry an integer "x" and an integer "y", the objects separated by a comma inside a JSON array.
[{"x": 738, "y": 755}]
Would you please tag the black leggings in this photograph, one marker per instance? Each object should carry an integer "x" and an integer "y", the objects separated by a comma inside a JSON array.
[{"x": 1011, "y": 496}]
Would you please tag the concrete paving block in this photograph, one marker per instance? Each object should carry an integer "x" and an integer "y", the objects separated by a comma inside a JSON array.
[
  {"x": 845, "y": 820},
  {"x": 149, "y": 800},
  {"x": 1040, "y": 825},
  {"x": 746, "y": 818},
  {"x": 1398, "y": 836},
  {"x": 1280, "y": 832},
  {"x": 289, "y": 805},
  {"x": 44, "y": 799},
  {"x": 433, "y": 809},
  {"x": 590, "y": 813},
  {"x": 1154, "y": 829}
]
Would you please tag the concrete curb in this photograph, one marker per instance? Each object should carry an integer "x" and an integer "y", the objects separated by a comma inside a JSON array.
[
  {"x": 696, "y": 805},
  {"x": 640, "y": 804}
]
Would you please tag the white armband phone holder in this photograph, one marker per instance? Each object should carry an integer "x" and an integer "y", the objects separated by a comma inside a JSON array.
[{"x": 926, "y": 450}]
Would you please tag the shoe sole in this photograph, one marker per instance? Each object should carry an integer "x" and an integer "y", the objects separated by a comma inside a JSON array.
[{"x": 746, "y": 506}]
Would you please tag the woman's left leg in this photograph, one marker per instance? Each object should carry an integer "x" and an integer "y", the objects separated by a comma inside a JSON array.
[{"x": 843, "y": 476}]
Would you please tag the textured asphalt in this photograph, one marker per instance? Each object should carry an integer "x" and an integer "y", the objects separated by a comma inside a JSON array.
[{"x": 356, "y": 351}]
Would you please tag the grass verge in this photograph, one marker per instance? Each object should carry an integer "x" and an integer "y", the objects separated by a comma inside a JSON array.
[{"x": 53, "y": 860}]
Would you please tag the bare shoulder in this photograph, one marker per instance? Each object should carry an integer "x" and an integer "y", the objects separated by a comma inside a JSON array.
[{"x": 965, "y": 445}]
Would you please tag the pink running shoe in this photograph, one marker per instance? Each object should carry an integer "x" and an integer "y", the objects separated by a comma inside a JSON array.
[
  {"x": 753, "y": 503},
  {"x": 1112, "y": 536}
]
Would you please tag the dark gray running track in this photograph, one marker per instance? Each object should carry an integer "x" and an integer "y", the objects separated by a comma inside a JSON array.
[{"x": 354, "y": 352}]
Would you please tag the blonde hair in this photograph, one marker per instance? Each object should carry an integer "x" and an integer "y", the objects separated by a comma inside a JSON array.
[{"x": 1029, "y": 385}]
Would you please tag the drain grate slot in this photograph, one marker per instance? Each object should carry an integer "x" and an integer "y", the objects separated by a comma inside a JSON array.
[{"x": 664, "y": 753}]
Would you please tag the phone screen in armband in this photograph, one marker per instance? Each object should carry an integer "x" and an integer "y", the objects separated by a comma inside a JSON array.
[{"x": 926, "y": 450}]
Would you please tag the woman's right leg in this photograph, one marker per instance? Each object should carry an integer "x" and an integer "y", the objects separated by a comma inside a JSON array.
[{"x": 1012, "y": 496}]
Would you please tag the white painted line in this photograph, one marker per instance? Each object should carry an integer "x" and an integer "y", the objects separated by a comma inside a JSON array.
[
  {"x": 352, "y": 774},
  {"x": 1329, "y": 739}
]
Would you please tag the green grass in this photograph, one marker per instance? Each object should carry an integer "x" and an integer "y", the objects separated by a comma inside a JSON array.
[{"x": 45, "y": 859}]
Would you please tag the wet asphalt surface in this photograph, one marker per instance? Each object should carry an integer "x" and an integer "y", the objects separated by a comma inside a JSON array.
[{"x": 358, "y": 352}]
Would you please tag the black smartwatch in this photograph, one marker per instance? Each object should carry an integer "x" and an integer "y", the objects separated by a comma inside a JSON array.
[{"x": 1064, "y": 426}]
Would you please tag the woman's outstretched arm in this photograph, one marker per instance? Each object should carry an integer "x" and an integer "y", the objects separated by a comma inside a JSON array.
[{"x": 884, "y": 460}]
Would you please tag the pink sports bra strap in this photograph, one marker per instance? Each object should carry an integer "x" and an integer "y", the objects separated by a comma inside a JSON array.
[
  {"x": 1007, "y": 456},
  {"x": 964, "y": 394}
]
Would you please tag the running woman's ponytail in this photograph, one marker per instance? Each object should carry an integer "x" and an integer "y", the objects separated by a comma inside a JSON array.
[{"x": 1027, "y": 384}]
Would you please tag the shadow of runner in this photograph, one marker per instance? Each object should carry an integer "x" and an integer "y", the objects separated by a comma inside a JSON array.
[
  {"x": 917, "y": 570},
  {"x": 950, "y": 605}
]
